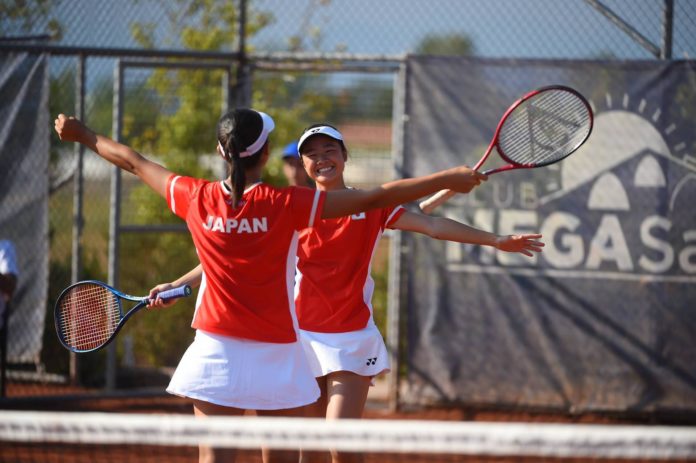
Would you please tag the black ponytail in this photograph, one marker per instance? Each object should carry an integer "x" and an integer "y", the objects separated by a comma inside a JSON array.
[
  {"x": 237, "y": 170},
  {"x": 237, "y": 130}
]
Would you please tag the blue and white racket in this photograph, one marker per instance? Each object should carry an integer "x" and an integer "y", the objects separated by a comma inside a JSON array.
[{"x": 88, "y": 314}]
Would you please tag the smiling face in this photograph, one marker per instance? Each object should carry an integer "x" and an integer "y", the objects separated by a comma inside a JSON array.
[{"x": 324, "y": 160}]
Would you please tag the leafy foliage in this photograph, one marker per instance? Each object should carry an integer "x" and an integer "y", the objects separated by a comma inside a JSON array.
[
  {"x": 173, "y": 113},
  {"x": 21, "y": 16},
  {"x": 170, "y": 116},
  {"x": 446, "y": 44}
]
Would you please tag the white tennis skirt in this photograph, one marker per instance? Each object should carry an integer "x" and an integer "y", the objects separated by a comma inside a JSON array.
[
  {"x": 363, "y": 352},
  {"x": 245, "y": 374}
]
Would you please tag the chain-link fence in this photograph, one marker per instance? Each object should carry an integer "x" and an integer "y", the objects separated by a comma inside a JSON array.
[
  {"x": 577, "y": 29},
  {"x": 304, "y": 61}
]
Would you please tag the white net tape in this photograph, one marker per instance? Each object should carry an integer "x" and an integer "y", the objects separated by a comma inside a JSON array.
[{"x": 466, "y": 438}]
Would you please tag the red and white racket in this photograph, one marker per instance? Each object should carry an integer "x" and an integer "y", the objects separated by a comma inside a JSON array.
[{"x": 543, "y": 127}]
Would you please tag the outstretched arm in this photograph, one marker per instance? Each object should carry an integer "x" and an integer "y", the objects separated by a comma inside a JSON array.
[
  {"x": 153, "y": 174},
  {"x": 446, "y": 229},
  {"x": 340, "y": 203},
  {"x": 192, "y": 278}
]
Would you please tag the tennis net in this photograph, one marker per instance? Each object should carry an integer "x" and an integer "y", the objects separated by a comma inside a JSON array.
[{"x": 100, "y": 437}]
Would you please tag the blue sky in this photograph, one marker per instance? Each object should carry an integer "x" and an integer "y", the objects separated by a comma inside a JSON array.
[{"x": 499, "y": 28}]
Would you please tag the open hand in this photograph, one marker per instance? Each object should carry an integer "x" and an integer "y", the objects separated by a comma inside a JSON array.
[{"x": 524, "y": 244}]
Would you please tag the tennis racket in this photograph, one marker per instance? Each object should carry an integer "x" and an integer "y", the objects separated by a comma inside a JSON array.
[
  {"x": 543, "y": 127},
  {"x": 88, "y": 314}
]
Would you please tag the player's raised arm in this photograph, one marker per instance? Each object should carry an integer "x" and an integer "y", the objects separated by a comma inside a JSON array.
[
  {"x": 340, "y": 203},
  {"x": 120, "y": 155},
  {"x": 446, "y": 229}
]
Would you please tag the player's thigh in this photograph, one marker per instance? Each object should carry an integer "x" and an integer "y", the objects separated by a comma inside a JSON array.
[
  {"x": 346, "y": 394},
  {"x": 298, "y": 412},
  {"x": 208, "y": 454},
  {"x": 202, "y": 408},
  {"x": 318, "y": 408},
  {"x": 270, "y": 455}
]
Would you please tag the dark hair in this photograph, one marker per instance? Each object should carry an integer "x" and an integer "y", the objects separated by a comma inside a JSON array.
[
  {"x": 236, "y": 130},
  {"x": 324, "y": 124}
]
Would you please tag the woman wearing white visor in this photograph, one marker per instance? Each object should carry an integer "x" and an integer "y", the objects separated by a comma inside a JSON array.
[{"x": 333, "y": 288}]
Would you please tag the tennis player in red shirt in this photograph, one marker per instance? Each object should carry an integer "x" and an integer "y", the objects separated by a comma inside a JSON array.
[
  {"x": 246, "y": 354},
  {"x": 333, "y": 288}
]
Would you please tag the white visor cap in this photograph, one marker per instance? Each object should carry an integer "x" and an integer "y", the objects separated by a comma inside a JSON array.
[
  {"x": 268, "y": 126},
  {"x": 321, "y": 130}
]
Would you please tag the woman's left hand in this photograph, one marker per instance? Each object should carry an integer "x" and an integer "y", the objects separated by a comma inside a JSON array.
[{"x": 524, "y": 244}]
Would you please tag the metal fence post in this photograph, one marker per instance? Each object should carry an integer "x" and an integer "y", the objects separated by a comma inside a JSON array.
[
  {"x": 395, "y": 293},
  {"x": 78, "y": 193},
  {"x": 115, "y": 217},
  {"x": 667, "y": 29}
]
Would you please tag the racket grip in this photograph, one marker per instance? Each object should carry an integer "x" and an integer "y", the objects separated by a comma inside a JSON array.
[
  {"x": 181, "y": 291},
  {"x": 436, "y": 200}
]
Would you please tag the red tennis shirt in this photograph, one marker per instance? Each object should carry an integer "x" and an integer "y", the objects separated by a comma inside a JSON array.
[
  {"x": 333, "y": 291},
  {"x": 248, "y": 254}
]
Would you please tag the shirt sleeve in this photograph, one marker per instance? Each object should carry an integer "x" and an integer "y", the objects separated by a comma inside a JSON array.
[
  {"x": 306, "y": 206},
  {"x": 8, "y": 258},
  {"x": 392, "y": 214},
  {"x": 180, "y": 191}
]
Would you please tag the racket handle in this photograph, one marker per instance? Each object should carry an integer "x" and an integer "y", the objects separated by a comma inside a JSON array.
[
  {"x": 174, "y": 293},
  {"x": 436, "y": 200}
]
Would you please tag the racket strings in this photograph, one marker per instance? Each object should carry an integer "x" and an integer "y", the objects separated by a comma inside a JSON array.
[
  {"x": 89, "y": 315},
  {"x": 545, "y": 128}
]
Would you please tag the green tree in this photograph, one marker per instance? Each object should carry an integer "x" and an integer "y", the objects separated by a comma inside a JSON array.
[
  {"x": 175, "y": 118},
  {"x": 29, "y": 17},
  {"x": 367, "y": 99},
  {"x": 446, "y": 44}
]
